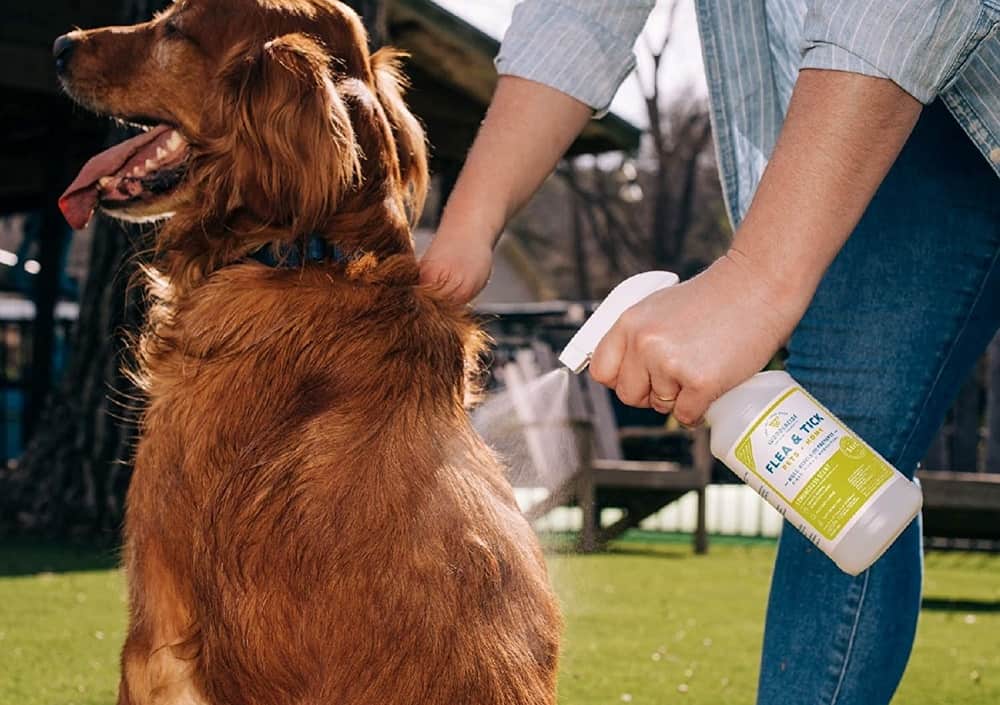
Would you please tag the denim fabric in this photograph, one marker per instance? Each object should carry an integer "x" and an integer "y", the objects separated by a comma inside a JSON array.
[
  {"x": 900, "y": 318},
  {"x": 753, "y": 51}
]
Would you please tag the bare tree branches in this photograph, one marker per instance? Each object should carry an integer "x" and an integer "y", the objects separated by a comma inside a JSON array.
[{"x": 666, "y": 210}]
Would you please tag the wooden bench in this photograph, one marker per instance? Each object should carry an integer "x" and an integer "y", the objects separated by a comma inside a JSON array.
[
  {"x": 599, "y": 477},
  {"x": 962, "y": 505},
  {"x": 639, "y": 488}
]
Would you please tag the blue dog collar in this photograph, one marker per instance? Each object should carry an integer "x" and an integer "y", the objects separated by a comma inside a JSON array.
[{"x": 313, "y": 249}]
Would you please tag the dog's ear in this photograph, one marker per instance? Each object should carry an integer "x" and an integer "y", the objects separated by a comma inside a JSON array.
[
  {"x": 411, "y": 143},
  {"x": 284, "y": 135}
]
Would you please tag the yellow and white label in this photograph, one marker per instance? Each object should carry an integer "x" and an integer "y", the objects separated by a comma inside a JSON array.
[{"x": 809, "y": 466}]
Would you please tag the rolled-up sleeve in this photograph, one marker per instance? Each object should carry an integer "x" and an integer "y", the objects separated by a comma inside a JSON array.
[
  {"x": 920, "y": 45},
  {"x": 583, "y": 48}
]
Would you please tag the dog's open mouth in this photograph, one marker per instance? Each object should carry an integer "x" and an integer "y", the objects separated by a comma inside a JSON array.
[{"x": 140, "y": 169}]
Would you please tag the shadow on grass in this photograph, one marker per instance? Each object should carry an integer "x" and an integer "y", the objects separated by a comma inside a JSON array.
[
  {"x": 943, "y": 604},
  {"x": 616, "y": 549},
  {"x": 629, "y": 549},
  {"x": 637, "y": 542},
  {"x": 28, "y": 557}
]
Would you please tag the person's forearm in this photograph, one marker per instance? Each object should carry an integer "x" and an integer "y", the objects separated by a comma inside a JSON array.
[
  {"x": 527, "y": 130},
  {"x": 842, "y": 133}
]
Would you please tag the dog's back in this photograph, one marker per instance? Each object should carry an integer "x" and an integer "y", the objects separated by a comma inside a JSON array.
[{"x": 311, "y": 518}]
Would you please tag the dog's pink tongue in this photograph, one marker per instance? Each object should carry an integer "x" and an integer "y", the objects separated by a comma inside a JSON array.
[{"x": 79, "y": 200}]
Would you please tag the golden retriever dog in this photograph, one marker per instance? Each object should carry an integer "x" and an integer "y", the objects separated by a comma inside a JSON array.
[{"x": 311, "y": 519}]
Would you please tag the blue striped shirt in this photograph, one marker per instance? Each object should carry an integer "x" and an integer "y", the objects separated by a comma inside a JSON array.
[{"x": 753, "y": 50}]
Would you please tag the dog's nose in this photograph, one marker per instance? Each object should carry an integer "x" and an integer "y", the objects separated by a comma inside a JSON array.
[{"x": 62, "y": 50}]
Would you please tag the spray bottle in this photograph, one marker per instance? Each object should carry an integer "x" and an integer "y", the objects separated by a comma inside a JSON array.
[{"x": 830, "y": 484}]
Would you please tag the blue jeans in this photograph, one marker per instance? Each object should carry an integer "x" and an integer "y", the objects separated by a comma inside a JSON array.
[{"x": 901, "y": 316}]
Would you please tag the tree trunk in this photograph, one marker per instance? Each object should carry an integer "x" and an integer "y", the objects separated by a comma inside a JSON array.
[
  {"x": 698, "y": 138},
  {"x": 579, "y": 244}
]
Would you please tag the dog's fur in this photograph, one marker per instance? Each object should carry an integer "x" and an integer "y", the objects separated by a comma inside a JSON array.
[{"x": 311, "y": 519}]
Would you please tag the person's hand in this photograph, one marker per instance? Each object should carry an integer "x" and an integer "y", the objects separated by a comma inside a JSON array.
[
  {"x": 682, "y": 348},
  {"x": 526, "y": 131},
  {"x": 458, "y": 269}
]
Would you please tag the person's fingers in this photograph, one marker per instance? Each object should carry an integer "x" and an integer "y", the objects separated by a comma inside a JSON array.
[
  {"x": 633, "y": 386},
  {"x": 665, "y": 388},
  {"x": 444, "y": 282},
  {"x": 431, "y": 271},
  {"x": 690, "y": 407},
  {"x": 662, "y": 396},
  {"x": 464, "y": 293},
  {"x": 471, "y": 288},
  {"x": 451, "y": 281},
  {"x": 459, "y": 292},
  {"x": 440, "y": 282},
  {"x": 662, "y": 405},
  {"x": 606, "y": 360}
]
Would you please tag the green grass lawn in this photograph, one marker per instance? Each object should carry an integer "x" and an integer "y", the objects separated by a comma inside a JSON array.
[{"x": 646, "y": 623}]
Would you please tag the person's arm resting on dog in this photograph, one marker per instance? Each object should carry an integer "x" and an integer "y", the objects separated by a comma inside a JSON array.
[{"x": 699, "y": 339}]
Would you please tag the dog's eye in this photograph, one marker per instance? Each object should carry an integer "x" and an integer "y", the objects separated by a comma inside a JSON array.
[{"x": 171, "y": 30}]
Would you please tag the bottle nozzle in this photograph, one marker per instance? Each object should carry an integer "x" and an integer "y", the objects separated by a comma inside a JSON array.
[{"x": 576, "y": 355}]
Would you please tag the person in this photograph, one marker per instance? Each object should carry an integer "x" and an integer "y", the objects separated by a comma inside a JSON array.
[{"x": 859, "y": 148}]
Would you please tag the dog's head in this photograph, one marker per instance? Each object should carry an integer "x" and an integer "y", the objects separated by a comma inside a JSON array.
[{"x": 270, "y": 112}]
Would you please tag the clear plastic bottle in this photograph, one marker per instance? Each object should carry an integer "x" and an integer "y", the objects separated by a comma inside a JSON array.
[{"x": 819, "y": 475}]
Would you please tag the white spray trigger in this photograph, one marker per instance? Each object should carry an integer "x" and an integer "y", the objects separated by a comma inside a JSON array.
[{"x": 576, "y": 354}]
